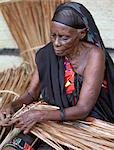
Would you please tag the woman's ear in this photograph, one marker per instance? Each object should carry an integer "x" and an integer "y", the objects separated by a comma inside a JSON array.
[{"x": 82, "y": 33}]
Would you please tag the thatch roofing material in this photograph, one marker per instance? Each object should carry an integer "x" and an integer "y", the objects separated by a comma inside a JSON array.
[{"x": 16, "y": 80}]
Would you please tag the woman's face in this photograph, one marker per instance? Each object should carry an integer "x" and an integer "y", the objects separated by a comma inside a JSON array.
[{"x": 64, "y": 38}]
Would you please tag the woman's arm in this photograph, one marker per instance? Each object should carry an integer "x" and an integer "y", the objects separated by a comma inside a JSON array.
[
  {"x": 31, "y": 94},
  {"x": 26, "y": 98}
]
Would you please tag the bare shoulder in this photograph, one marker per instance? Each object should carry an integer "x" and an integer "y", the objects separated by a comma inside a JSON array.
[
  {"x": 95, "y": 54},
  {"x": 96, "y": 60}
]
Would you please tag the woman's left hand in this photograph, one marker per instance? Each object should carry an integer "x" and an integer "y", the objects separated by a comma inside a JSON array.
[{"x": 27, "y": 120}]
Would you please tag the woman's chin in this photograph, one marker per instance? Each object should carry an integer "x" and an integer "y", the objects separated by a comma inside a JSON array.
[{"x": 60, "y": 54}]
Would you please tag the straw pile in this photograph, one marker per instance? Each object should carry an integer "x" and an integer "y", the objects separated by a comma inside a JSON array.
[
  {"x": 12, "y": 81},
  {"x": 80, "y": 135}
]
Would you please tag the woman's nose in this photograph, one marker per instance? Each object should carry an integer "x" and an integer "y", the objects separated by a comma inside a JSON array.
[{"x": 57, "y": 42}]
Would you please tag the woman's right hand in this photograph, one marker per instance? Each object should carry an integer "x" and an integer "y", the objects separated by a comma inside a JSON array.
[{"x": 5, "y": 114}]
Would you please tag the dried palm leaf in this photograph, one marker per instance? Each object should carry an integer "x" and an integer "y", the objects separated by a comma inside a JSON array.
[
  {"x": 11, "y": 92},
  {"x": 75, "y": 135}
]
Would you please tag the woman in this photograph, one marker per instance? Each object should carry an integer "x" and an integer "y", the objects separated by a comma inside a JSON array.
[{"x": 73, "y": 72}]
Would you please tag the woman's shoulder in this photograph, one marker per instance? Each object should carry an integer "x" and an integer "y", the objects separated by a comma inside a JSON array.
[
  {"x": 94, "y": 51},
  {"x": 42, "y": 53},
  {"x": 96, "y": 57}
]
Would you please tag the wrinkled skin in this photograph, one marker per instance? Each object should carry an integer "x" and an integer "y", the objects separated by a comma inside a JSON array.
[
  {"x": 5, "y": 114},
  {"x": 65, "y": 39},
  {"x": 27, "y": 120}
]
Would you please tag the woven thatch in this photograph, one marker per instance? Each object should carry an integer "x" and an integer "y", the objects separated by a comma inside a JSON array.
[
  {"x": 16, "y": 80},
  {"x": 13, "y": 81}
]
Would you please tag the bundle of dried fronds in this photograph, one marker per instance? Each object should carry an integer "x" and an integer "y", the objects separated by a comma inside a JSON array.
[
  {"x": 4, "y": 1},
  {"x": 12, "y": 81},
  {"x": 79, "y": 135},
  {"x": 29, "y": 23},
  {"x": 3, "y": 130}
]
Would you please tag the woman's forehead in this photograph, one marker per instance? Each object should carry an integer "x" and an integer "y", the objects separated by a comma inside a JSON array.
[{"x": 60, "y": 26}]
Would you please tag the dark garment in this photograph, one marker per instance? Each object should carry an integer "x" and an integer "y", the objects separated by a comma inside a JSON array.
[
  {"x": 51, "y": 73},
  {"x": 23, "y": 142},
  {"x": 29, "y": 142}
]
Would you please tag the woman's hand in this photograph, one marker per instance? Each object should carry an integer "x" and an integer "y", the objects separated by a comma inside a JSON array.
[
  {"x": 28, "y": 119},
  {"x": 5, "y": 114}
]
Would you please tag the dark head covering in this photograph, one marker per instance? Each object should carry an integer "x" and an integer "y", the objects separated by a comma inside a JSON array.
[
  {"x": 69, "y": 17},
  {"x": 51, "y": 71},
  {"x": 77, "y": 16}
]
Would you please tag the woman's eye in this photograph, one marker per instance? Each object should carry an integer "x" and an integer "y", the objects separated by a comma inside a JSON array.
[
  {"x": 65, "y": 38},
  {"x": 52, "y": 35}
]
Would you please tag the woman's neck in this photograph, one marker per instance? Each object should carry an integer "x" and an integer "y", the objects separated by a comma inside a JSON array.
[
  {"x": 75, "y": 53},
  {"x": 78, "y": 58}
]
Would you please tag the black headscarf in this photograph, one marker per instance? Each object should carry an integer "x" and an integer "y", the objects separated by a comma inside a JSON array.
[
  {"x": 77, "y": 9},
  {"x": 51, "y": 69}
]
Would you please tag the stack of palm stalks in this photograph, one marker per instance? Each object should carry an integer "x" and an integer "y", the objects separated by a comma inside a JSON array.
[
  {"x": 29, "y": 23},
  {"x": 12, "y": 81},
  {"x": 93, "y": 134}
]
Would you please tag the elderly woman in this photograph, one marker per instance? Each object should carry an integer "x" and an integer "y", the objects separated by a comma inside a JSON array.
[{"x": 74, "y": 72}]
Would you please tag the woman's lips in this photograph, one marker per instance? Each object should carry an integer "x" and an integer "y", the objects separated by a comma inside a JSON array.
[{"x": 58, "y": 52}]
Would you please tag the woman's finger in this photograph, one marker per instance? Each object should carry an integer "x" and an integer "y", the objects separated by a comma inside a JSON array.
[
  {"x": 2, "y": 116},
  {"x": 5, "y": 122},
  {"x": 19, "y": 124},
  {"x": 28, "y": 128},
  {"x": 14, "y": 121},
  {"x": 23, "y": 127}
]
